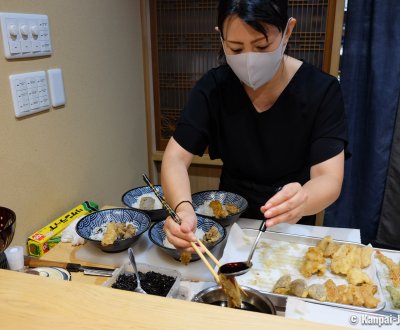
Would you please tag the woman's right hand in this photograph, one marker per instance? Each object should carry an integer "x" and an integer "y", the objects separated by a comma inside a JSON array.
[{"x": 181, "y": 235}]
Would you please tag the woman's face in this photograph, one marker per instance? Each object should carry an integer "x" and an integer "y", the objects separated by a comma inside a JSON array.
[{"x": 242, "y": 38}]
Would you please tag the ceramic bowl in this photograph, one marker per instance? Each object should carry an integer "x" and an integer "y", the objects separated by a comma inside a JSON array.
[
  {"x": 7, "y": 227},
  {"x": 252, "y": 300},
  {"x": 202, "y": 199},
  {"x": 91, "y": 223},
  {"x": 132, "y": 200},
  {"x": 158, "y": 236}
]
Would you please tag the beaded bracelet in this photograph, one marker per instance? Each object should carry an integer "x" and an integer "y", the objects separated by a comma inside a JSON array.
[{"x": 176, "y": 207}]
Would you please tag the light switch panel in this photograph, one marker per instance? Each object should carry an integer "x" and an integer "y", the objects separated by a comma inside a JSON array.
[
  {"x": 29, "y": 92},
  {"x": 25, "y": 35},
  {"x": 56, "y": 85}
]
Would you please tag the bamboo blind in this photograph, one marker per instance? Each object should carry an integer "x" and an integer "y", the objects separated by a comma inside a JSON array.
[{"x": 185, "y": 45}]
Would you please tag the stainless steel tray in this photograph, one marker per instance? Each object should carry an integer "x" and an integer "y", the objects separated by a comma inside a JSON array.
[
  {"x": 384, "y": 279},
  {"x": 256, "y": 277}
]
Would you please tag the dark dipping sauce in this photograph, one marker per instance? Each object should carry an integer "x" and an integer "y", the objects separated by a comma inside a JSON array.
[
  {"x": 153, "y": 283},
  {"x": 233, "y": 267}
]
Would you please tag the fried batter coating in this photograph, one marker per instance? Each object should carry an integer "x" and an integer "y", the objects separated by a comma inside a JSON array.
[
  {"x": 314, "y": 263},
  {"x": 349, "y": 256},
  {"x": 117, "y": 230},
  {"x": 231, "y": 208},
  {"x": 368, "y": 292},
  {"x": 232, "y": 290},
  {"x": 395, "y": 295},
  {"x": 366, "y": 253},
  {"x": 211, "y": 236},
  {"x": 110, "y": 235},
  {"x": 299, "y": 288},
  {"x": 331, "y": 248},
  {"x": 185, "y": 257},
  {"x": 218, "y": 210},
  {"x": 394, "y": 269},
  {"x": 282, "y": 286},
  {"x": 317, "y": 292},
  {"x": 323, "y": 243},
  {"x": 332, "y": 291},
  {"x": 356, "y": 276}
]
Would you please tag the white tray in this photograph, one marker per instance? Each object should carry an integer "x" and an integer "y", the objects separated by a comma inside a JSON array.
[{"x": 278, "y": 254}]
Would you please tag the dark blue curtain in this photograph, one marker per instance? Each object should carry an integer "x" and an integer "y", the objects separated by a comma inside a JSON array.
[{"x": 370, "y": 80}]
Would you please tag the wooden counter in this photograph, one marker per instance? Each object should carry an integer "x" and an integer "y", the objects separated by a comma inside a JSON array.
[{"x": 34, "y": 302}]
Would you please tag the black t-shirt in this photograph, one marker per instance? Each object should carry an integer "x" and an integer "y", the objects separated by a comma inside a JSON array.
[{"x": 305, "y": 126}]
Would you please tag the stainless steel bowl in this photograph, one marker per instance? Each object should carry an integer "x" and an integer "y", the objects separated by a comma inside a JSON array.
[{"x": 253, "y": 300}]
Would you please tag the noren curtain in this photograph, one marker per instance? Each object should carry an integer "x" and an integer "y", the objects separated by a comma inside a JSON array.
[{"x": 370, "y": 80}]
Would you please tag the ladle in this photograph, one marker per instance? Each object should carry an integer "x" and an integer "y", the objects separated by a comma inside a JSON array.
[
  {"x": 242, "y": 267},
  {"x": 133, "y": 262}
]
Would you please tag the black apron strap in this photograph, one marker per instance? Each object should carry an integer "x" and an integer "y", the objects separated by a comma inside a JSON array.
[{"x": 256, "y": 195}]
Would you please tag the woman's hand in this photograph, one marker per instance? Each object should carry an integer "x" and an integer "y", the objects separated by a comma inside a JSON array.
[
  {"x": 181, "y": 235},
  {"x": 287, "y": 205}
]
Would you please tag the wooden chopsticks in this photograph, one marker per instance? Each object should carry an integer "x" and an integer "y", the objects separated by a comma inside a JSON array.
[
  {"x": 205, "y": 261},
  {"x": 178, "y": 220}
]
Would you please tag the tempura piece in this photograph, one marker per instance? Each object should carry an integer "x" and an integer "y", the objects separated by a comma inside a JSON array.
[
  {"x": 323, "y": 243},
  {"x": 395, "y": 295},
  {"x": 394, "y": 269},
  {"x": 317, "y": 292},
  {"x": 185, "y": 257},
  {"x": 282, "y": 286},
  {"x": 232, "y": 290},
  {"x": 231, "y": 208},
  {"x": 299, "y": 288},
  {"x": 314, "y": 263},
  {"x": 110, "y": 235},
  {"x": 332, "y": 291},
  {"x": 211, "y": 236},
  {"x": 366, "y": 253},
  {"x": 349, "y": 256},
  {"x": 368, "y": 292},
  {"x": 117, "y": 230},
  {"x": 218, "y": 210},
  {"x": 331, "y": 248},
  {"x": 356, "y": 276}
]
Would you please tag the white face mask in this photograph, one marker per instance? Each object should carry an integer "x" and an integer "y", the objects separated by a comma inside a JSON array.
[{"x": 256, "y": 69}]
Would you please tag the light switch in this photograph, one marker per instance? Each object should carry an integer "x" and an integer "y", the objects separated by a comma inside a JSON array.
[
  {"x": 29, "y": 92},
  {"x": 25, "y": 35},
  {"x": 56, "y": 85}
]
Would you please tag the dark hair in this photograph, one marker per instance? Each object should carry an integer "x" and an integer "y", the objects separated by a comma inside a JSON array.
[{"x": 255, "y": 13}]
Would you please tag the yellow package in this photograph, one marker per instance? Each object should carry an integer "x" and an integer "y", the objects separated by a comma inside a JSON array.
[{"x": 44, "y": 239}]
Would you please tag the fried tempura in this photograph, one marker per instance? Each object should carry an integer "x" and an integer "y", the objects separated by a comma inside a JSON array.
[
  {"x": 232, "y": 290},
  {"x": 314, "y": 263},
  {"x": 350, "y": 256},
  {"x": 231, "y": 208},
  {"x": 395, "y": 295},
  {"x": 298, "y": 288},
  {"x": 332, "y": 293},
  {"x": 110, "y": 235},
  {"x": 394, "y": 269},
  {"x": 117, "y": 230},
  {"x": 356, "y": 276},
  {"x": 282, "y": 286},
  {"x": 211, "y": 236},
  {"x": 185, "y": 257},
  {"x": 317, "y": 292},
  {"x": 218, "y": 210}
]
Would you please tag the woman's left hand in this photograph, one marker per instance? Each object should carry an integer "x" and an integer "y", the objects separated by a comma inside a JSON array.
[{"x": 287, "y": 205}]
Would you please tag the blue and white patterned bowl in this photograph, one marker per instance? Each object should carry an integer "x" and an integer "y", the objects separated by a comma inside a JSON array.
[
  {"x": 132, "y": 197},
  {"x": 86, "y": 226},
  {"x": 224, "y": 197},
  {"x": 157, "y": 235}
]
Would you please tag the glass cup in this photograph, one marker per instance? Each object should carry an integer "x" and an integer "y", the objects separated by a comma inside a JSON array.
[{"x": 15, "y": 257}]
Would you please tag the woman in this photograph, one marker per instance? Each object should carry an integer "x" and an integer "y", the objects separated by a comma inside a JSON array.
[{"x": 274, "y": 121}]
